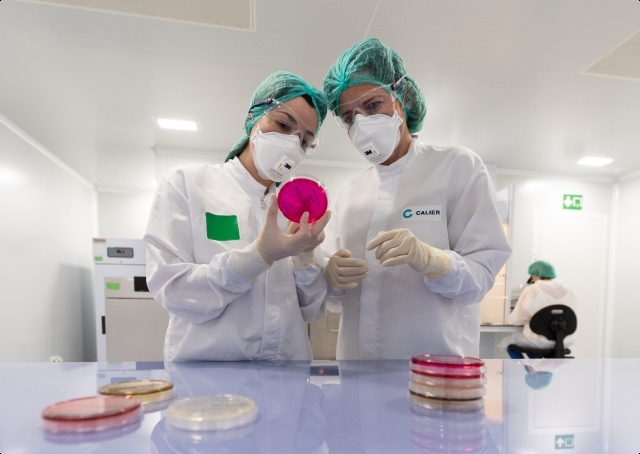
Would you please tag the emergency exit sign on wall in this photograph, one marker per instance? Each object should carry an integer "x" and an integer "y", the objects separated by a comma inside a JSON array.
[
  {"x": 572, "y": 202},
  {"x": 565, "y": 442}
]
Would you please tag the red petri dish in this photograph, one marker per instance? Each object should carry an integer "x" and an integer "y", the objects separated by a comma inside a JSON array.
[
  {"x": 91, "y": 414},
  {"x": 448, "y": 366},
  {"x": 300, "y": 194}
]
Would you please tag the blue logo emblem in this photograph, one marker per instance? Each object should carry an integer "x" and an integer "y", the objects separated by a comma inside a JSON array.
[{"x": 407, "y": 214}]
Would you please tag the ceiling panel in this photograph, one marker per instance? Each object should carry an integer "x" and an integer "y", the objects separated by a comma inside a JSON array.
[
  {"x": 623, "y": 61},
  {"x": 220, "y": 13},
  {"x": 500, "y": 77}
]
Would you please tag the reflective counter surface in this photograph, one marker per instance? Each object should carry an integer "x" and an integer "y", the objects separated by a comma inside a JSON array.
[{"x": 538, "y": 406}]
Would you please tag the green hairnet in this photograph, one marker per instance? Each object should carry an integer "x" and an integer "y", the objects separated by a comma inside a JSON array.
[
  {"x": 372, "y": 62},
  {"x": 282, "y": 86},
  {"x": 542, "y": 269}
]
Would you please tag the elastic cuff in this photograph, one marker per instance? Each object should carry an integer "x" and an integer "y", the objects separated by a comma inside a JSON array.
[
  {"x": 440, "y": 264},
  {"x": 248, "y": 262},
  {"x": 304, "y": 260}
]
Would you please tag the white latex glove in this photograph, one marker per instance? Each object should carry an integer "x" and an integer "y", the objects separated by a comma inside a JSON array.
[
  {"x": 306, "y": 258},
  {"x": 273, "y": 245},
  {"x": 344, "y": 272},
  {"x": 397, "y": 247}
]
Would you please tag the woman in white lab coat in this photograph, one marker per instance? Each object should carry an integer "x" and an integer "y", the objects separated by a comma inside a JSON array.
[
  {"x": 415, "y": 241},
  {"x": 238, "y": 282},
  {"x": 544, "y": 290}
]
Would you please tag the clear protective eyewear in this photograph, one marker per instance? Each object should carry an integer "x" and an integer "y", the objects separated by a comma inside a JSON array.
[
  {"x": 376, "y": 101},
  {"x": 284, "y": 120}
]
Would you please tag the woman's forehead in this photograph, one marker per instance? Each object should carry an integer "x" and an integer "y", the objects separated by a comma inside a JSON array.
[
  {"x": 305, "y": 112},
  {"x": 357, "y": 91}
]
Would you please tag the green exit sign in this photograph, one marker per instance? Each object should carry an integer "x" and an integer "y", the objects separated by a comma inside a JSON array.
[
  {"x": 564, "y": 442},
  {"x": 572, "y": 202}
]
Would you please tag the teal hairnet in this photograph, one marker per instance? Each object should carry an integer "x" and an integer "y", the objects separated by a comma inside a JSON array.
[
  {"x": 542, "y": 269},
  {"x": 282, "y": 86},
  {"x": 372, "y": 62},
  {"x": 538, "y": 379}
]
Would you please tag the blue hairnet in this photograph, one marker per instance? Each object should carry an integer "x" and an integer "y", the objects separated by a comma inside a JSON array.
[
  {"x": 282, "y": 86},
  {"x": 372, "y": 62},
  {"x": 542, "y": 269}
]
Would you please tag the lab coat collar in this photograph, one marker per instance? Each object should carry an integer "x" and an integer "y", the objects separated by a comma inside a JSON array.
[
  {"x": 401, "y": 165},
  {"x": 245, "y": 180}
]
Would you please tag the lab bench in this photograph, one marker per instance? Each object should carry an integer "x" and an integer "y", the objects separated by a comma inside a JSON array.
[{"x": 586, "y": 405}]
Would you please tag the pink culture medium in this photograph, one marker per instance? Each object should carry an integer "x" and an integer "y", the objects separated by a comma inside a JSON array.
[{"x": 301, "y": 194}]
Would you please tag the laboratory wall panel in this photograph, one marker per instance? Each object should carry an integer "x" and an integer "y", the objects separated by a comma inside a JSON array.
[
  {"x": 46, "y": 226},
  {"x": 122, "y": 214},
  {"x": 626, "y": 307}
]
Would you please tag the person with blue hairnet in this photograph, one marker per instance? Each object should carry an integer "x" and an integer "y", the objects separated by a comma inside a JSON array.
[
  {"x": 416, "y": 240},
  {"x": 543, "y": 290},
  {"x": 237, "y": 281}
]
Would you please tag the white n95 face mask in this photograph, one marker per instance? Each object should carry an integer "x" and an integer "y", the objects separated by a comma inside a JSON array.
[
  {"x": 276, "y": 155},
  {"x": 376, "y": 136}
]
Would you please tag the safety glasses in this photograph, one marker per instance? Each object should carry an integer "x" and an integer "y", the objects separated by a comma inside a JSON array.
[
  {"x": 379, "y": 100},
  {"x": 284, "y": 120}
]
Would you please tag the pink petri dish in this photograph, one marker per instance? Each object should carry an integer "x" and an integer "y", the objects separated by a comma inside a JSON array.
[
  {"x": 300, "y": 194},
  {"x": 448, "y": 366},
  {"x": 91, "y": 414}
]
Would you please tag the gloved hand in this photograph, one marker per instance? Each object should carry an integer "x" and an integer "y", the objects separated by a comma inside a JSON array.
[
  {"x": 344, "y": 272},
  {"x": 306, "y": 258},
  {"x": 273, "y": 245},
  {"x": 397, "y": 247}
]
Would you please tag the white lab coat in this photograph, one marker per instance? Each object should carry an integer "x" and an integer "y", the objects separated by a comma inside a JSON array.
[
  {"x": 396, "y": 312},
  {"x": 215, "y": 313},
  {"x": 534, "y": 297}
]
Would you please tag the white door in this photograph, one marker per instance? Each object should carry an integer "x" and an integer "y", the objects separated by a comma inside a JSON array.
[{"x": 576, "y": 244}]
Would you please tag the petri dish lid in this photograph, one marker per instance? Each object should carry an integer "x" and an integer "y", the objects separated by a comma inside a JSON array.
[
  {"x": 447, "y": 366},
  {"x": 216, "y": 412},
  {"x": 147, "y": 391},
  {"x": 300, "y": 194},
  {"x": 93, "y": 407}
]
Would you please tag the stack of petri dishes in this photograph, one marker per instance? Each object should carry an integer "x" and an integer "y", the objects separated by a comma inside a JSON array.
[
  {"x": 446, "y": 397},
  {"x": 446, "y": 382},
  {"x": 449, "y": 431}
]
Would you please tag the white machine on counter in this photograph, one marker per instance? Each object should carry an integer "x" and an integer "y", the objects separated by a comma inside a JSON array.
[{"x": 130, "y": 325}]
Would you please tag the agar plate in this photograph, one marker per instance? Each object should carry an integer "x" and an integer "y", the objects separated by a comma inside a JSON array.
[
  {"x": 300, "y": 194},
  {"x": 91, "y": 414},
  {"x": 448, "y": 366},
  {"x": 217, "y": 412},
  {"x": 146, "y": 391}
]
